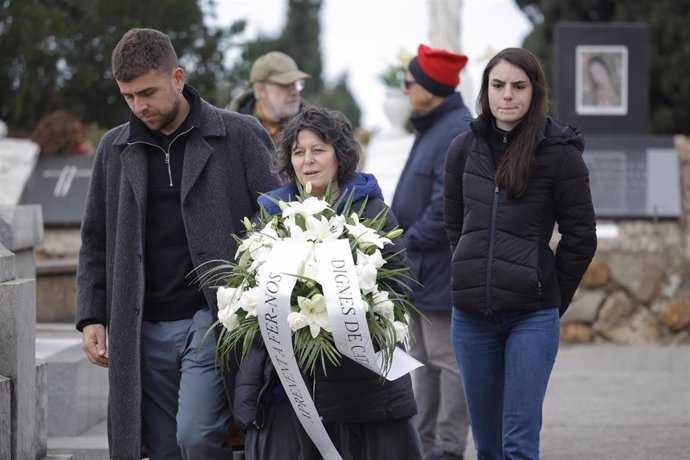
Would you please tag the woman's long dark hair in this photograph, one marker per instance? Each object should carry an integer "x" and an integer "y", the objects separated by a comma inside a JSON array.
[{"x": 515, "y": 169}]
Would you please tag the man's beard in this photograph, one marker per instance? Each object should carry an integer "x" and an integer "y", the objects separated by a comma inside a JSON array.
[{"x": 168, "y": 118}]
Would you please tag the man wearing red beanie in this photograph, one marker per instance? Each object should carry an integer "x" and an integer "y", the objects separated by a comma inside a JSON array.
[{"x": 439, "y": 115}]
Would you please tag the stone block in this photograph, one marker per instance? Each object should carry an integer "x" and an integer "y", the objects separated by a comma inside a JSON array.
[
  {"x": 41, "y": 429},
  {"x": 5, "y": 417},
  {"x": 596, "y": 276},
  {"x": 7, "y": 265},
  {"x": 17, "y": 360},
  {"x": 584, "y": 307},
  {"x": 18, "y": 158},
  {"x": 641, "y": 274},
  {"x": 576, "y": 333},
  {"x": 56, "y": 290},
  {"x": 25, "y": 263},
  {"x": 77, "y": 392},
  {"x": 676, "y": 316},
  {"x": 21, "y": 227}
]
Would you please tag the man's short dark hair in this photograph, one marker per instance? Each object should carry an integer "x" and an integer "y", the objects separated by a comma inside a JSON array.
[
  {"x": 333, "y": 128},
  {"x": 141, "y": 50}
]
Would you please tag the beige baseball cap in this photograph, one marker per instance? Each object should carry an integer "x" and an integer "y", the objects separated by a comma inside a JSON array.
[{"x": 277, "y": 67}]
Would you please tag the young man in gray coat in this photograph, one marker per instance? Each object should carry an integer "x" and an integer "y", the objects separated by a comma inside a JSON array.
[{"x": 168, "y": 190}]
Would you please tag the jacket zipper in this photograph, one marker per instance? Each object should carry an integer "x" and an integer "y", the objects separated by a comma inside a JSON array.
[
  {"x": 165, "y": 152},
  {"x": 492, "y": 238}
]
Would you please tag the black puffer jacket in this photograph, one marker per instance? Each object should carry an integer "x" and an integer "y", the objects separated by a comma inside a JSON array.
[
  {"x": 502, "y": 261},
  {"x": 349, "y": 393}
]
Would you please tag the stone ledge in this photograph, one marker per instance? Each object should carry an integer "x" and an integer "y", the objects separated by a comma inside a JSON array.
[
  {"x": 58, "y": 266},
  {"x": 21, "y": 227},
  {"x": 8, "y": 269},
  {"x": 5, "y": 414},
  {"x": 77, "y": 392}
]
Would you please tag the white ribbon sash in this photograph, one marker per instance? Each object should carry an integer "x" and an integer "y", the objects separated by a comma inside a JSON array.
[
  {"x": 347, "y": 315},
  {"x": 276, "y": 284}
]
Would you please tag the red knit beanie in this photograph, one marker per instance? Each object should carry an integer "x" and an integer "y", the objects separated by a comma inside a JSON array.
[{"x": 437, "y": 70}]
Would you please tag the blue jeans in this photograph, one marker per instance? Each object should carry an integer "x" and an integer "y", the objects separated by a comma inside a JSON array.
[{"x": 505, "y": 361}]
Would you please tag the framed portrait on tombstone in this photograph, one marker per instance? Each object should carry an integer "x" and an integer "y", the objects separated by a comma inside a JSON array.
[
  {"x": 594, "y": 85},
  {"x": 601, "y": 80}
]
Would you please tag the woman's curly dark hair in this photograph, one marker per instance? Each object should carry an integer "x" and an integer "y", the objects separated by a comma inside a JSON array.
[{"x": 333, "y": 128}]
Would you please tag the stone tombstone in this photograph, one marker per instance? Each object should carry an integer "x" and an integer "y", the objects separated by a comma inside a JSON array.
[
  {"x": 59, "y": 184},
  {"x": 633, "y": 176},
  {"x": 601, "y": 76},
  {"x": 18, "y": 158}
]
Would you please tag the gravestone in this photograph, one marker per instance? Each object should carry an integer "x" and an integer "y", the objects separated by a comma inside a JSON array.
[
  {"x": 601, "y": 86},
  {"x": 601, "y": 76},
  {"x": 59, "y": 185},
  {"x": 633, "y": 176},
  {"x": 19, "y": 232},
  {"x": 17, "y": 161}
]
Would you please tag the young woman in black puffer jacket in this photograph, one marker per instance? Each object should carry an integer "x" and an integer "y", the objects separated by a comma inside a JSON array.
[{"x": 509, "y": 180}]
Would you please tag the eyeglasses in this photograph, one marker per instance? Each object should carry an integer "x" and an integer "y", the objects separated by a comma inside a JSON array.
[
  {"x": 408, "y": 83},
  {"x": 298, "y": 85}
]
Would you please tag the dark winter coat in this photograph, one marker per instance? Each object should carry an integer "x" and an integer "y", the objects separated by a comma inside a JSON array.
[
  {"x": 227, "y": 163},
  {"x": 418, "y": 201},
  {"x": 502, "y": 261},
  {"x": 349, "y": 393}
]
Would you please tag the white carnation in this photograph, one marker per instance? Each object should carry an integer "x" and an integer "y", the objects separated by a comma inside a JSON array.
[
  {"x": 226, "y": 296},
  {"x": 229, "y": 320},
  {"x": 250, "y": 300}
]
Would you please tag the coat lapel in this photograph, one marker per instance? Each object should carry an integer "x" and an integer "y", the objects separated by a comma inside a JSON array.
[
  {"x": 196, "y": 155},
  {"x": 135, "y": 168}
]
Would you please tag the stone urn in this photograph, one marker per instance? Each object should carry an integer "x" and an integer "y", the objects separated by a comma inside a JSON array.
[{"x": 396, "y": 106}]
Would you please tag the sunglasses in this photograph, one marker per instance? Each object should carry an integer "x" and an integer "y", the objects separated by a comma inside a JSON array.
[{"x": 408, "y": 83}]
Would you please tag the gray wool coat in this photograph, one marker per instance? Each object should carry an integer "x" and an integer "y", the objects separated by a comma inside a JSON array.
[{"x": 227, "y": 163}]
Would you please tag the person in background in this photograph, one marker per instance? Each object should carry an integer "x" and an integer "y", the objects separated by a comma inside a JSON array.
[
  {"x": 508, "y": 180},
  {"x": 438, "y": 115},
  {"x": 61, "y": 133},
  {"x": 167, "y": 192},
  {"x": 367, "y": 418},
  {"x": 274, "y": 97}
]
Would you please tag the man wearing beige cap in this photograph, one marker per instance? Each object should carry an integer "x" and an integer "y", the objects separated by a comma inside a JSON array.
[{"x": 274, "y": 97}]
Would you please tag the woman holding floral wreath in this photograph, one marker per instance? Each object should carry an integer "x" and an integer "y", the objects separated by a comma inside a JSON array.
[{"x": 364, "y": 415}]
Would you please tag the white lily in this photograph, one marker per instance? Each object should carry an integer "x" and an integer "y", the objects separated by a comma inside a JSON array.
[
  {"x": 308, "y": 207},
  {"x": 364, "y": 235},
  {"x": 314, "y": 309},
  {"x": 382, "y": 305}
]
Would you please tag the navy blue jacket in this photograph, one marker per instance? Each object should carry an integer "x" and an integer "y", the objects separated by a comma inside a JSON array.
[{"x": 418, "y": 201}]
